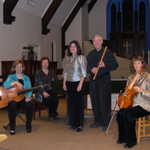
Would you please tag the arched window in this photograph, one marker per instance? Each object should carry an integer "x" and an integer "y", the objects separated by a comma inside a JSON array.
[
  {"x": 119, "y": 24},
  {"x": 113, "y": 18},
  {"x": 128, "y": 26},
  {"x": 142, "y": 17},
  {"x": 127, "y": 16}
]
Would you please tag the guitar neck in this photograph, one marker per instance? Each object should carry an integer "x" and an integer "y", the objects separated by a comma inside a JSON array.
[
  {"x": 33, "y": 88},
  {"x": 133, "y": 81}
]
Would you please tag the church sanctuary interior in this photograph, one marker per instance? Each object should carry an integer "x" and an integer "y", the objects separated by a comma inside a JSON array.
[{"x": 36, "y": 35}]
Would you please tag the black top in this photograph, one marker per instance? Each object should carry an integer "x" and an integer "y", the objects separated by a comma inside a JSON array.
[
  {"x": 94, "y": 57},
  {"x": 42, "y": 78},
  {"x": 21, "y": 81}
]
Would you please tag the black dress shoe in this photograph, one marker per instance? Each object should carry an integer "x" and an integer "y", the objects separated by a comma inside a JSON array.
[
  {"x": 12, "y": 132},
  {"x": 94, "y": 125},
  {"x": 130, "y": 145},
  {"x": 120, "y": 141},
  {"x": 28, "y": 127},
  {"x": 28, "y": 130},
  {"x": 79, "y": 129}
]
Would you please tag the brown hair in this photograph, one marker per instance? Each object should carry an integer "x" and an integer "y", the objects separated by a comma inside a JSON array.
[
  {"x": 77, "y": 46},
  {"x": 44, "y": 58},
  {"x": 15, "y": 64},
  {"x": 137, "y": 58}
]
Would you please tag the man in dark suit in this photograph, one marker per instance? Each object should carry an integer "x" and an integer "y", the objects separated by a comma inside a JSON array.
[{"x": 100, "y": 88}]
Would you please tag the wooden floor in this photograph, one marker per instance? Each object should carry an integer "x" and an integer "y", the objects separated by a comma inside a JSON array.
[{"x": 55, "y": 135}]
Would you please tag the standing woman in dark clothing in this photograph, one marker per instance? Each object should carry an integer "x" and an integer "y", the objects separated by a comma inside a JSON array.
[
  {"x": 47, "y": 95},
  {"x": 74, "y": 74},
  {"x": 22, "y": 81},
  {"x": 126, "y": 118},
  {"x": 100, "y": 89}
]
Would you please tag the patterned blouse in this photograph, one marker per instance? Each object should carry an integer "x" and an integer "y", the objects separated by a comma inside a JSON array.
[{"x": 74, "y": 68}]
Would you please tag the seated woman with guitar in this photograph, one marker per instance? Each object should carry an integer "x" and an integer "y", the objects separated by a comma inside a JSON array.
[
  {"x": 139, "y": 84},
  {"x": 17, "y": 81}
]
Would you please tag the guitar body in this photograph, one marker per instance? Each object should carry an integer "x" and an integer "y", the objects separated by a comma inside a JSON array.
[
  {"x": 15, "y": 94},
  {"x": 7, "y": 95},
  {"x": 125, "y": 100}
]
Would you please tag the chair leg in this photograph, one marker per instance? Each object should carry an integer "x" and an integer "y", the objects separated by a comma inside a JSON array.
[
  {"x": 139, "y": 130},
  {"x": 34, "y": 115},
  {"x": 21, "y": 118},
  {"x": 144, "y": 126},
  {"x": 39, "y": 113}
]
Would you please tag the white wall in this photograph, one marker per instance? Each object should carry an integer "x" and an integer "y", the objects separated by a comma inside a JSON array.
[
  {"x": 24, "y": 31},
  {"x": 55, "y": 37},
  {"x": 1, "y": 12},
  {"x": 97, "y": 19},
  {"x": 97, "y": 23},
  {"x": 27, "y": 30},
  {"x": 74, "y": 31}
]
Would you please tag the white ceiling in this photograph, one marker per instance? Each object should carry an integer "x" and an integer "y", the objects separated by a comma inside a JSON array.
[
  {"x": 36, "y": 7},
  {"x": 39, "y": 7},
  {"x": 63, "y": 12}
]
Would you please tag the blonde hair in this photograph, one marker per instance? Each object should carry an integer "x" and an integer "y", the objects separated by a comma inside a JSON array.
[{"x": 137, "y": 58}]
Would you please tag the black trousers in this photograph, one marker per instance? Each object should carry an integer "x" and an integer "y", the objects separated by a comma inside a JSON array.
[
  {"x": 52, "y": 103},
  {"x": 100, "y": 93},
  {"x": 13, "y": 108},
  {"x": 126, "y": 119},
  {"x": 75, "y": 105}
]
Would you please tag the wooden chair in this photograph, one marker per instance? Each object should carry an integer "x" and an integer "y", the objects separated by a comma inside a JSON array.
[
  {"x": 143, "y": 128},
  {"x": 38, "y": 107}
]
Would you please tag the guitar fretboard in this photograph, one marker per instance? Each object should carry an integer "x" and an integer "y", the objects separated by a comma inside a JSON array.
[{"x": 33, "y": 88}]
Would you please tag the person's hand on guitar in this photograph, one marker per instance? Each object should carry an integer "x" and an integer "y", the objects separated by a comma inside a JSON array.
[
  {"x": 45, "y": 94},
  {"x": 28, "y": 99},
  {"x": 17, "y": 84},
  {"x": 137, "y": 89}
]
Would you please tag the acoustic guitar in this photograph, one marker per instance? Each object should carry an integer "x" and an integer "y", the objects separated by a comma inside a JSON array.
[
  {"x": 15, "y": 94},
  {"x": 125, "y": 100}
]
